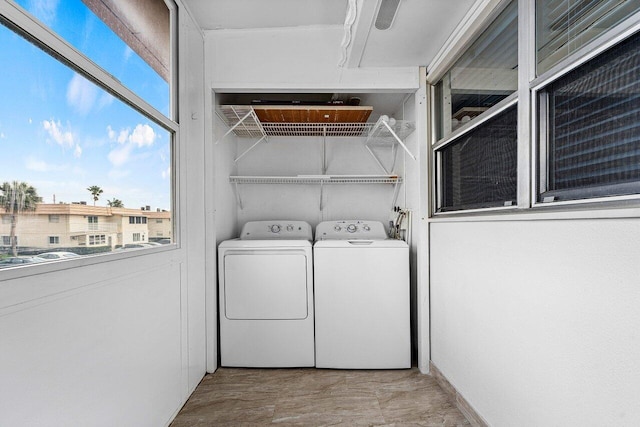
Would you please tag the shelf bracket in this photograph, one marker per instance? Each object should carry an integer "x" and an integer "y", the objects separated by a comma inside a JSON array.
[
  {"x": 397, "y": 138},
  {"x": 375, "y": 157},
  {"x": 238, "y": 198},
  {"x": 264, "y": 138}
]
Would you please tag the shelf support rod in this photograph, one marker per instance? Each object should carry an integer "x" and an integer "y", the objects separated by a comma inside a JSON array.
[
  {"x": 399, "y": 140},
  {"x": 238, "y": 198},
  {"x": 324, "y": 150},
  {"x": 366, "y": 145},
  {"x": 250, "y": 148},
  {"x": 321, "y": 194}
]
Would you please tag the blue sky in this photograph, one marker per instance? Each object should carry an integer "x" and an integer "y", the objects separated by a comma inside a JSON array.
[{"x": 61, "y": 133}]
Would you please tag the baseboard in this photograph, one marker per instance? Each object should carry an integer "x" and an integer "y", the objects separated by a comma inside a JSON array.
[{"x": 465, "y": 407}]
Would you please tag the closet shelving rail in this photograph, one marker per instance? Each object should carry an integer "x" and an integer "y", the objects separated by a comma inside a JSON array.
[
  {"x": 321, "y": 180},
  {"x": 244, "y": 122}
]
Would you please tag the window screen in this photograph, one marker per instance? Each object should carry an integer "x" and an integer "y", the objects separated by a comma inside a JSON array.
[
  {"x": 479, "y": 169},
  {"x": 593, "y": 128},
  {"x": 564, "y": 26}
]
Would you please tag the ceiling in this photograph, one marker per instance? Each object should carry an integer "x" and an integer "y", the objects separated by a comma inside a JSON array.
[{"x": 419, "y": 30}]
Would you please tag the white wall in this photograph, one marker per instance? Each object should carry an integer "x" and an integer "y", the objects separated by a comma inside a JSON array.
[
  {"x": 536, "y": 322},
  {"x": 304, "y": 58},
  {"x": 292, "y": 156},
  {"x": 119, "y": 342}
]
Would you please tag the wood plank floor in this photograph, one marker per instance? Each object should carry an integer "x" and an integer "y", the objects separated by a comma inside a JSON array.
[{"x": 318, "y": 397}]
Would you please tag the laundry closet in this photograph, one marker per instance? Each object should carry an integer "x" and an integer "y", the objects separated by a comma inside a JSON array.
[{"x": 319, "y": 157}]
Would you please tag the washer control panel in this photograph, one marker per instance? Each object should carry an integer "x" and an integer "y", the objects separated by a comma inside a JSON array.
[
  {"x": 350, "y": 230},
  {"x": 270, "y": 230}
]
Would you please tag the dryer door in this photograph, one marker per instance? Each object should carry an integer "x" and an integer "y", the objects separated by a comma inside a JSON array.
[{"x": 266, "y": 284}]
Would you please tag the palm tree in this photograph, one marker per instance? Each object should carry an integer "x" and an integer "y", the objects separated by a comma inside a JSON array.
[
  {"x": 95, "y": 193},
  {"x": 16, "y": 197},
  {"x": 115, "y": 203}
]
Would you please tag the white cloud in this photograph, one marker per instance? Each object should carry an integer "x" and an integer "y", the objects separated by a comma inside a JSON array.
[
  {"x": 77, "y": 152},
  {"x": 143, "y": 135},
  {"x": 105, "y": 100},
  {"x": 123, "y": 136},
  {"x": 166, "y": 173},
  {"x": 60, "y": 136},
  {"x": 111, "y": 133},
  {"x": 116, "y": 174},
  {"x": 81, "y": 94},
  {"x": 36, "y": 165},
  {"x": 45, "y": 10},
  {"x": 120, "y": 155},
  {"x": 127, "y": 53},
  {"x": 2, "y": 135}
]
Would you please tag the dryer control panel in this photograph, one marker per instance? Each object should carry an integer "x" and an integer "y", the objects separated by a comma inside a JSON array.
[
  {"x": 350, "y": 230},
  {"x": 277, "y": 229}
]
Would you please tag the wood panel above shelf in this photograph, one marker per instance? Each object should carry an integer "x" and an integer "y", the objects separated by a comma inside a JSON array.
[{"x": 312, "y": 113}]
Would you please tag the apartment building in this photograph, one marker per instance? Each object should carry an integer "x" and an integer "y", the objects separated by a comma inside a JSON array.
[{"x": 77, "y": 225}]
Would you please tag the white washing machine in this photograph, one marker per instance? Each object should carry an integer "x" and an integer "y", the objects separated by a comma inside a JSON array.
[
  {"x": 266, "y": 296},
  {"x": 361, "y": 282}
]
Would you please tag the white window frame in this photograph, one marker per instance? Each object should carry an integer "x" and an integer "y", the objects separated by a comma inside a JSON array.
[
  {"x": 594, "y": 48},
  {"x": 438, "y": 146},
  {"x": 19, "y": 20},
  {"x": 54, "y": 240}
]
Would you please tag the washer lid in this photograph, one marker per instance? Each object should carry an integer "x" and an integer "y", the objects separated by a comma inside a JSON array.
[
  {"x": 276, "y": 230},
  {"x": 350, "y": 230}
]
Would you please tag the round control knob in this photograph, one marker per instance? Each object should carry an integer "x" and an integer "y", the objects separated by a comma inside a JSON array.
[
  {"x": 351, "y": 228},
  {"x": 337, "y": 228},
  {"x": 275, "y": 228},
  {"x": 289, "y": 227},
  {"x": 366, "y": 228}
]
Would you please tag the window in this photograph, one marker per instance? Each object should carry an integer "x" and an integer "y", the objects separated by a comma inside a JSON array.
[
  {"x": 137, "y": 220},
  {"x": 136, "y": 237},
  {"x": 565, "y": 26},
  {"x": 484, "y": 75},
  {"x": 590, "y": 128},
  {"x": 6, "y": 240},
  {"x": 93, "y": 223},
  {"x": 75, "y": 123},
  {"x": 479, "y": 169},
  {"x": 129, "y": 39},
  {"x": 99, "y": 239},
  {"x": 54, "y": 240},
  {"x": 158, "y": 221}
]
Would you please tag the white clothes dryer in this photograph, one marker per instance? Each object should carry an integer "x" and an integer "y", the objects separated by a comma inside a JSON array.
[
  {"x": 266, "y": 296},
  {"x": 361, "y": 281}
]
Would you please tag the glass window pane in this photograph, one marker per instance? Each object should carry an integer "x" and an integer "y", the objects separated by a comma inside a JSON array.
[
  {"x": 479, "y": 169},
  {"x": 61, "y": 152},
  {"x": 133, "y": 46},
  {"x": 483, "y": 76},
  {"x": 594, "y": 127},
  {"x": 564, "y": 26}
]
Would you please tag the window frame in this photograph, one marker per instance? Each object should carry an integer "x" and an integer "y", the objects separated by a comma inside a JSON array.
[
  {"x": 436, "y": 148},
  {"x": 539, "y": 129},
  {"x": 24, "y": 25}
]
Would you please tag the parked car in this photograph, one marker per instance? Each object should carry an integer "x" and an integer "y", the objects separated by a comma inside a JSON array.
[
  {"x": 136, "y": 245},
  {"x": 58, "y": 255},
  {"x": 20, "y": 260},
  {"x": 164, "y": 241}
]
